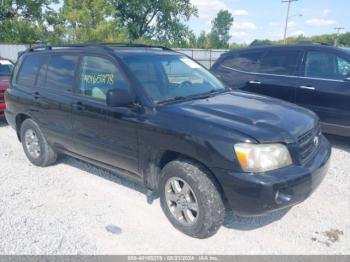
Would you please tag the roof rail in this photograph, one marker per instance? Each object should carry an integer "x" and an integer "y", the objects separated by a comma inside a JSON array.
[
  {"x": 135, "y": 45},
  {"x": 313, "y": 43},
  {"x": 106, "y": 46},
  {"x": 51, "y": 47}
]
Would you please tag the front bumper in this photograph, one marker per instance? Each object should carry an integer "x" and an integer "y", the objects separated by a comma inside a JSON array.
[{"x": 258, "y": 194}]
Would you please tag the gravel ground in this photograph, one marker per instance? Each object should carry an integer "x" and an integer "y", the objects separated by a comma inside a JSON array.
[{"x": 76, "y": 208}]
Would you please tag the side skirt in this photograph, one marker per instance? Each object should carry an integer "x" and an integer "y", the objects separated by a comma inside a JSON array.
[{"x": 116, "y": 171}]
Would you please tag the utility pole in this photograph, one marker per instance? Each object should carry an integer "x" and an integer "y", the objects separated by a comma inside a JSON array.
[
  {"x": 338, "y": 29},
  {"x": 287, "y": 18}
]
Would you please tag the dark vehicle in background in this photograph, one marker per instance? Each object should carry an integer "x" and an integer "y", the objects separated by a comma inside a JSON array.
[
  {"x": 162, "y": 120},
  {"x": 314, "y": 76},
  {"x": 6, "y": 67}
]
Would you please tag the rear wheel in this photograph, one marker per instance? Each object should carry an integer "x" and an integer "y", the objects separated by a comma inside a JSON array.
[
  {"x": 191, "y": 199},
  {"x": 35, "y": 145}
]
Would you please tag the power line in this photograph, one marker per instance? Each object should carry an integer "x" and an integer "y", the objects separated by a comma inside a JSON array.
[{"x": 287, "y": 18}]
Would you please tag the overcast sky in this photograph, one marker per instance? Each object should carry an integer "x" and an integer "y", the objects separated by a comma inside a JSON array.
[{"x": 264, "y": 19}]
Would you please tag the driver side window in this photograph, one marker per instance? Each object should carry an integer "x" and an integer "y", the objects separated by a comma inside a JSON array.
[{"x": 99, "y": 75}]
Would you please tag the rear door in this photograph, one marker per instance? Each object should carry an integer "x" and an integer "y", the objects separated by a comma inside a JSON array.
[
  {"x": 56, "y": 81},
  {"x": 276, "y": 74},
  {"x": 26, "y": 85},
  {"x": 324, "y": 88},
  {"x": 235, "y": 68},
  {"x": 102, "y": 133}
]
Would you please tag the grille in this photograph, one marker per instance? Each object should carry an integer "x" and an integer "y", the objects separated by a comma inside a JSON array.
[{"x": 307, "y": 145}]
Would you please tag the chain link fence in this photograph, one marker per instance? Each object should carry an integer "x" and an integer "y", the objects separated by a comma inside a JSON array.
[{"x": 206, "y": 57}]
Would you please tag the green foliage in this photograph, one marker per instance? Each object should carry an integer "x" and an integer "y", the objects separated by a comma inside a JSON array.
[
  {"x": 343, "y": 40},
  {"x": 90, "y": 21},
  {"x": 258, "y": 42},
  {"x": 203, "y": 40},
  {"x": 158, "y": 22},
  {"x": 235, "y": 46},
  {"x": 220, "y": 33},
  {"x": 25, "y": 21},
  {"x": 155, "y": 19}
]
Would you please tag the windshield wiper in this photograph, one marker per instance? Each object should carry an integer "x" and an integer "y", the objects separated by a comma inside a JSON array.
[
  {"x": 213, "y": 91},
  {"x": 195, "y": 97},
  {"x": 174, "y": 99}
]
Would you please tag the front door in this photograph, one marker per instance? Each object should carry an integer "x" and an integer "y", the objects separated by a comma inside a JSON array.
[
  {"x": 108, "y": 135},
  {"x": 325, "y": 90}
]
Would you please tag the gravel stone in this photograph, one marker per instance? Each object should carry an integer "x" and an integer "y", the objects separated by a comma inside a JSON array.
[{"x": 76, "y": 208}]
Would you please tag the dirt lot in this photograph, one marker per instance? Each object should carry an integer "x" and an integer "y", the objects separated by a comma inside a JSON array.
[{"x": 75, "y": 208}]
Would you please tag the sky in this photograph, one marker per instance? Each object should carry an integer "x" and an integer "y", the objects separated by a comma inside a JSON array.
[{"x": 265, "y": 19}]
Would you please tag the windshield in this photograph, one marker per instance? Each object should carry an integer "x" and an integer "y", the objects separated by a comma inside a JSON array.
[
  {"x": 347, "y": 50},
  {"x": 5, "y": 68},
  {"x": 172, "y": 77}
]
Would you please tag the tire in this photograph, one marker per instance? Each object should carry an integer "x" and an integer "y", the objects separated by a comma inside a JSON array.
[
  {"x": 43, "y": 155},
  {"x": 205, "y": 191}
]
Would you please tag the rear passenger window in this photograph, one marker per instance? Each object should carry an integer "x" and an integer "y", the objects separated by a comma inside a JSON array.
[
  {"x": 29, "y": 69},
  {"x": 98, "y": 76},
  {"x": 326, "y": 65},
  {"x": 61, "y": 72},
  {"x": 283, "y": 62},
  {"x": 247, "y": 61}
]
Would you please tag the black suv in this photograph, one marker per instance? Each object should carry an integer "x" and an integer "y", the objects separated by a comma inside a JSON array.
[
  {"x": 161, "y": 119},
  {"x": 311, "y": 75}
]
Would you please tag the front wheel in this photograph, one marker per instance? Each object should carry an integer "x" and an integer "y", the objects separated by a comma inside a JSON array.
[{"x": 191, "y": 199}]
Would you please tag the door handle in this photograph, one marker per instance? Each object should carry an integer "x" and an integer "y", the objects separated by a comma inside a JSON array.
[
  {"x": 36, "y": 95},
  {"x": 254, "y": 82},
  {"x": 308, "y": 87},
  {"x": 78, "y": 106}
]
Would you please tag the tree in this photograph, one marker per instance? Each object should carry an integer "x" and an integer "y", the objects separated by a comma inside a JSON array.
[
  {"x": 91, "y": 20},
  {"x": 203, "y": 40},
  {"x": 235, "y": 46},
  {"x": 220, "y": 32},
  {"x": 258, "y": 42},
  {"x": 25, "y": 21},
  {"x": 160, "y": 19},
  {"x": 344, "y": 40}
]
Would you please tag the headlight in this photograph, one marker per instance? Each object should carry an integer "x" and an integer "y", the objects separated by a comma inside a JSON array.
[{"x": 262, "y": 157}]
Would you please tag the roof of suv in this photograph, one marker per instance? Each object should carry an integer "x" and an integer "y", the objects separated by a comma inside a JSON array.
[
  {"x": 121, "y": 49},
  {"x": 303, "y": 45},
  {"x": 143, "y": 51},
  {"x": 347, "y": 50}
]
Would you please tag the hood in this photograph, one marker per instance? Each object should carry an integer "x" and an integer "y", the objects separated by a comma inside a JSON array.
[{"x": 261, "y": 118}]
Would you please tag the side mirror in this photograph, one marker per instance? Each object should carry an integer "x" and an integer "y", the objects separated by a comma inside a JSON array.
[{"x": 119, "y": 98}]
